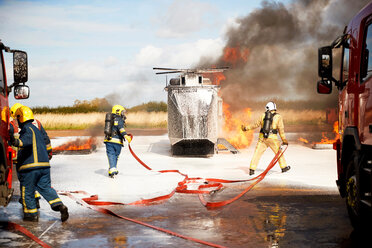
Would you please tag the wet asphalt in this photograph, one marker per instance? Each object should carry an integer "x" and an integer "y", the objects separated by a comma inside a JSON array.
[{"x": 267, "y": 216}]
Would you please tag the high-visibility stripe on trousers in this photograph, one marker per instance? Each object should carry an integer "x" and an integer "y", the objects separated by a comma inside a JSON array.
[{"x": 38, "y": 179}]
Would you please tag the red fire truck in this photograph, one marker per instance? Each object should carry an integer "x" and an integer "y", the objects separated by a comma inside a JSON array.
[
  {"x": 354, "y": 148},
  {"x": 21, "y": 91}
]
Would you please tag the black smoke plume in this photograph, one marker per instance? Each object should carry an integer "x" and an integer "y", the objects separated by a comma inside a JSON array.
[{"x": 277, "y": 50}]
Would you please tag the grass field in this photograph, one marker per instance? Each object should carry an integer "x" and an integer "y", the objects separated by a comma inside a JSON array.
[
  {"x": 159, "y": 119},
  {"x": 88, "y": 120}
]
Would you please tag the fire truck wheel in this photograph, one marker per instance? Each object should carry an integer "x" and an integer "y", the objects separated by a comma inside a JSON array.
[{"x": 357, "y": 212}]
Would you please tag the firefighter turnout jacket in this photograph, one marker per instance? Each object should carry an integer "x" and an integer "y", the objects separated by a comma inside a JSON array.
[
  {"x": 118, "y": 131},
  {"x": 277, "y": 127},
  {"x": 32, "y": 150},
  {"x": 14, "y": 129}
]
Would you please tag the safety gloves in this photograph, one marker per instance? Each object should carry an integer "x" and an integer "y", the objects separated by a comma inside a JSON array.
[
  {"x": 13, "y": 141},
  {"x": 285, "y": 142},
  {"x": 128, "y": 138}
]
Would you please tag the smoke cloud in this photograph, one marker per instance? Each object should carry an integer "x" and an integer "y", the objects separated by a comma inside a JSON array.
[{"x": 272, "y": 52}]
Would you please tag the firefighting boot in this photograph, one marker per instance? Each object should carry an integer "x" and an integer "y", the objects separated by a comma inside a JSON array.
[
  {"x": 286, "y": 169},
  {"x": 251, "y": 172},
  {"x": 113, "y": 172},
  {"x": 63, "y": 210},
  {"x": 31, "y": 217},
  {"x": 64, "y": 213}
]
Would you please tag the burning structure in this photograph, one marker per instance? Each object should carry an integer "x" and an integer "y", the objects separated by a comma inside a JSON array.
[{"x": 194, "y": 111}]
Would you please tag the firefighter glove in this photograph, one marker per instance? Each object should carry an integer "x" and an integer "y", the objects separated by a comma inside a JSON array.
[
  {"x": 128, "y": 138},
  {"x": 13, "y": 141},
  {"x": 285, "y": 142}
]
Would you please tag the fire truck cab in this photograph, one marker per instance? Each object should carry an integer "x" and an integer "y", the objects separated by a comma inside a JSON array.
[
  {"x": 21, "y": 91},
  {"x": 354, "y": 148}
]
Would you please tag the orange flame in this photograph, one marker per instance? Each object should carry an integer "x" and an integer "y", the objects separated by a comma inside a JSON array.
[
  {"x": 303, "y": 140},
  {"x": 233, "y": 55},
  {"x": 326, "y": 140},
  {"x": 232, "y": 128},
  {"x": 215, "y": 78},
  {"x": 77, "y": 145}
]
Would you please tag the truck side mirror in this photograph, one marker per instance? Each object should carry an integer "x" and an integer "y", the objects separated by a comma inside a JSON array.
[
  {"x": 325, "y": 62},
  {"x": 20, "y": 67},
  {"x": 324, "y": 86},
  {"x": 21, "y": 91}
]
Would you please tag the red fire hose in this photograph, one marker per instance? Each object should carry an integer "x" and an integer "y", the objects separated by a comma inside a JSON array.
[
  {"x": 209, "y": 183},
  {"x": 212, "y": 184},
  {"x": 90, "y": 202},
  {"x": 13, "y": 226}
]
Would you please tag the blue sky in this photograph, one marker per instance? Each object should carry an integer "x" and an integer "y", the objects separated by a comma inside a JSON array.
[{"x": 87, "y": 49}]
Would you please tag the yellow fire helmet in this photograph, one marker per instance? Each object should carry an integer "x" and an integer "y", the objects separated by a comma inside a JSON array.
[
  {"x": 14, "y": 108},
  {"x": 24, "y": 113},
  {"x": 118, "y": 110}
]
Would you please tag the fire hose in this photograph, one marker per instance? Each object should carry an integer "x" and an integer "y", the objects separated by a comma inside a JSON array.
[
  {"x": 17, "y": 227},
  {"x": 92, "y": 201}
]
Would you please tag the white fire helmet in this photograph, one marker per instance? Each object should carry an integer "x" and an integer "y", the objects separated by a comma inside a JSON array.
[{"x": 270, "y": 106}]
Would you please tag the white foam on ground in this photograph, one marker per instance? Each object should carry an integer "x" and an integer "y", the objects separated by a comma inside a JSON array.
[{"x": 309, "y": 168}]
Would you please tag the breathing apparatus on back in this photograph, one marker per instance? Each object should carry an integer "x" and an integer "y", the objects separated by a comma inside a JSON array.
[
  {"x": 268, "y": 120},
  {"x": 117, "y": 110},
  {"x": 109, "y": 123}
]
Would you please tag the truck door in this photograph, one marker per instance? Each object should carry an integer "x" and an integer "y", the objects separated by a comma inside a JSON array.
[
  {"x": 345, "y": 99},
  {"x": 365, "y": 99},
  {"x": 3, "y": 102}
]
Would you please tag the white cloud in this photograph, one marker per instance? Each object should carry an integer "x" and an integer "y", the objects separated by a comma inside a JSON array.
[
  {"x": 87, "y": 51},
  {"x": 54, "y": 18},
  {"x": 231, "y": 23},
  {"x": 111, "y": 61},
  {"x": 180, "y": 55},
  {"x": 183, "y": 18},
  {"x": 149, "y": 55},
  {"x": 70, "y": 71}
]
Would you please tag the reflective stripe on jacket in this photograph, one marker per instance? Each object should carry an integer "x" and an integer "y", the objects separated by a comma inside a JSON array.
[{"x": 32, "y": 153}]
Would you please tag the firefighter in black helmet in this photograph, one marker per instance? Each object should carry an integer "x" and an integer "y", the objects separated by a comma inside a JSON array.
[{"x": 271, "y": 124}]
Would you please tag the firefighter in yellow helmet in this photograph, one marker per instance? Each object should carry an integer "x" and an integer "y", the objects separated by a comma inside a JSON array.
[
  {"x": 33, "y": 167},
  {"x": 115, "y": 135},
  {"x": 271, "y": 124},
  {"x": 14, "y": 130}
]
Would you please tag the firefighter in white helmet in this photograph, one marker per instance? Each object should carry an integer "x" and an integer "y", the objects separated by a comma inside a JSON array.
[
  {"x": 115, "y": 135},
  {"x": 271, "y": 124}
]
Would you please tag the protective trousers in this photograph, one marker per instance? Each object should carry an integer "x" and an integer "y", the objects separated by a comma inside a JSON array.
[
  {"x": 113, "y": 151},
  {"x": 37, "y": 179},
  {"x": 261, "y": 147},
  {"x": 37, "y": 194}
]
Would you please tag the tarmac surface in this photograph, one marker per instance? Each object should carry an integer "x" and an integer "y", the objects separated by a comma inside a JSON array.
[{"x": 299, "y": 208}]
